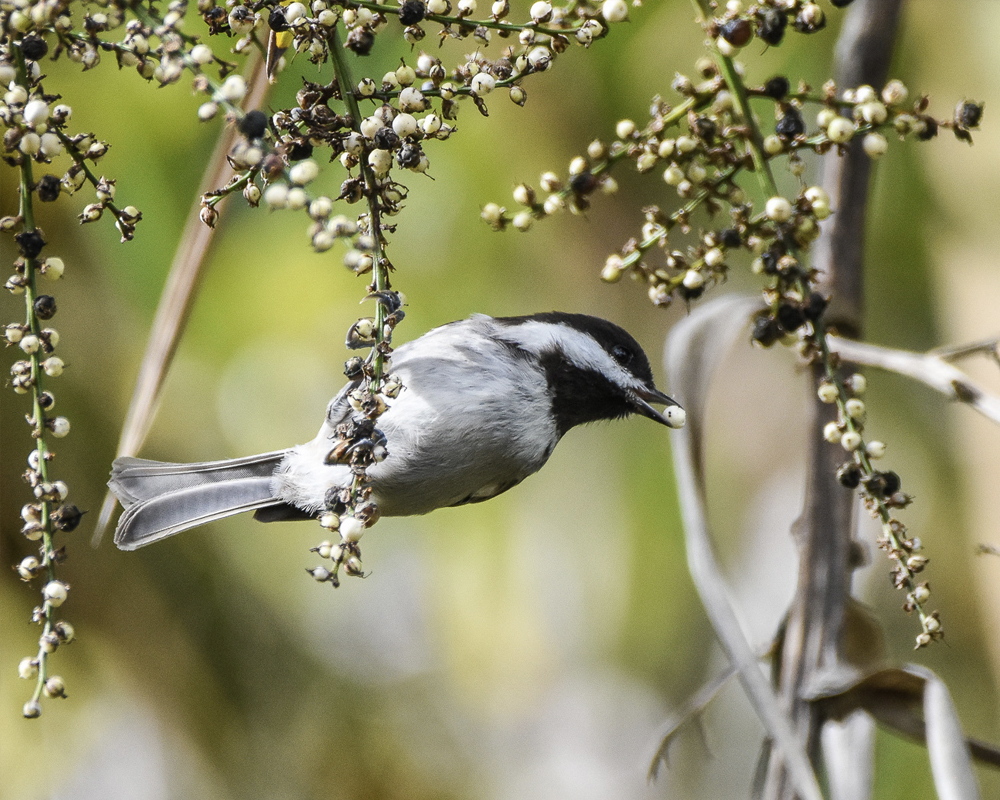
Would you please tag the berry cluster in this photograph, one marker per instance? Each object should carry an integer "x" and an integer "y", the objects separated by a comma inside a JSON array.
[
  {"x": 703, "y": 147},
  {"x": 36, "y": 138},
  {"x": 378, "y": 129}
]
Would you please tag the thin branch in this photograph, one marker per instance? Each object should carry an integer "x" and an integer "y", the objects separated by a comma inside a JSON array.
[
  {"x": 695, "y": 705},
  {"x": 990, "y": 347}
]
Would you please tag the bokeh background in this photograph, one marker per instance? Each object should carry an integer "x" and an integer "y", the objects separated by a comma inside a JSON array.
[{"x": 531, "y": 646}]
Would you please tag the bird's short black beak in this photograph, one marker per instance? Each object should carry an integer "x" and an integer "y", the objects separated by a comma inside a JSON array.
[{"x": 672, "y": 416}]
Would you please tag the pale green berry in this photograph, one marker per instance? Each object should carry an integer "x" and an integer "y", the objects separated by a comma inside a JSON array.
[
  {"x": 875, "y": 145},
  {"x": 778, "y": 209},
  {"x": 827, "y": 392},
  {"x": 840, "y": 130},
  {"x": 614, "y": 10},
  {"x": 850, "y": 441}
]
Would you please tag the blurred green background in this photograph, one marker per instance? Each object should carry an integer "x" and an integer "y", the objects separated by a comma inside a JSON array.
[{"x": 528, "y": 647}]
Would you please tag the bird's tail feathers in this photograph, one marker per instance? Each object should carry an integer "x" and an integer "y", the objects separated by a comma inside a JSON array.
[{"x": 162, "y": 499}]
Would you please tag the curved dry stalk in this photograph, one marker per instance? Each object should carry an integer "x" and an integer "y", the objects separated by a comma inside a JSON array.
[
  {"x": 931, "y": 368},
  {"x": 691, "y": 710},
  {"x": 694, "y": 350},
  {"x": 177, "y": 300}
]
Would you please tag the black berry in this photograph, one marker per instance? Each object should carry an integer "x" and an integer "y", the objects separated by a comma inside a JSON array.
[
  {"x": 254, "y": 124},
  {"x": 730, "y": 237},
  {"x": 66, "y": 518},
  {"x": 276, "y": 21},
  {"x": 771, "y": 25},
  {"x": 45, "y": 306},
  {"x": 737, "y": 32},
  {"x": 790, "y": 125},
  {"x": 412, "y": 12},
  {"x": 34, "y": 47},
  {"x": 386, "y": 139},
  {"x": 969, "y": 115},
  {"x": 849, "y": 475},
  {"x": 30, "y": 243},
  {"x": 48, "y": 188},
  {"x": 777, "y": 87}
]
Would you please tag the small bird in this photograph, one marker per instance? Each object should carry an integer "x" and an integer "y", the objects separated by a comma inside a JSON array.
[{"x": 484, "y": 401}]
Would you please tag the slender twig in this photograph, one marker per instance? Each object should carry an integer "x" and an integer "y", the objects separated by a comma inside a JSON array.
[
  {"x": 989, "y": 347},
  {"x": 471, "y": 23},
  {"x": 27, "y": 215},
  {"x": 380, "y": 267},
  {"x": 692, "y": 709}
]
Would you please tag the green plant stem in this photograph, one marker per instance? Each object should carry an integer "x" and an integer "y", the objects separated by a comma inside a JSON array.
[
  {"x": 472, "y": 23},
  {"x": 30, "y": 294},
  {"x": 735, "y": 84},
  {"x": 379, "y": 262}
]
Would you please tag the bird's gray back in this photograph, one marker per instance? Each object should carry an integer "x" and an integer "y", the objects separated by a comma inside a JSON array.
[{"x": 464, "y": 428}]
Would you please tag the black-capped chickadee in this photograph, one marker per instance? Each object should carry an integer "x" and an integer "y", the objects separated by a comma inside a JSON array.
[{"x": 484, "y": 402}]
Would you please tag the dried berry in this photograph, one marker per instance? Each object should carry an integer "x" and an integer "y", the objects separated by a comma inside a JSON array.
[
  {"x": 30, "y": 243},
  {"x": 66, "y": 518},
  {"x": 790, "y": 317},
  {"x": 583, "y": 184},
  {"x": 408, "y": 156},
  {"x": 254, "y": 124},
  {"x": 49, "y": 188},
  {"x": 277, "y": 21},
  {"x": 360, "y": 41},
  {"x": 849, "y": 475},
  {"x": 386, "y": 139},
  {"x": 766, "y": 330},
  {"x": 770, "y": 257},
  {"x": 34, "y": 47},
  {"x": 790, "y": 124},
  {"x": 299, "y": 149},
  {"x": 45, "y": 306},
  {"x": 771, "y": 24},
  {"x": 730, "y": 237},
  {"x": 892, "y": 482},
  {"x": 705, "y": 129},
  {"x": 930, "y": 129},
  {"x": 815, "y": 306},
  {"x": 968, "y": 115},
  {"x": 737, "y": 32},
  {"x": 777, "y": 87},
  {"x": 412, "y": 12}
]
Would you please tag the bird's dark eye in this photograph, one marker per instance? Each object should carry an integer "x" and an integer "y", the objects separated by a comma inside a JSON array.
[{"x": 621, "y": 354}]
